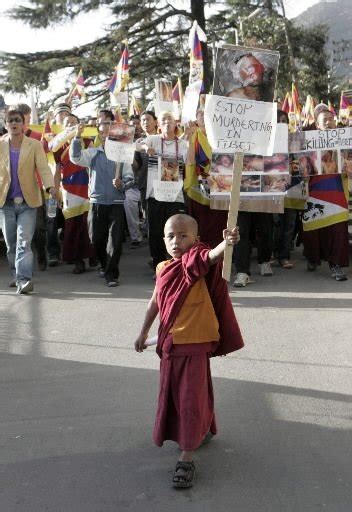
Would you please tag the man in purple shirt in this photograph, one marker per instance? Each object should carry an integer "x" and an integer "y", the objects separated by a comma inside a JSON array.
[{"x": 20, "y": 196}]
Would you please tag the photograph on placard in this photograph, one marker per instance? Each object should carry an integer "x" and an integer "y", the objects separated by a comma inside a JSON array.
[
  {"x": 243, "y": 72},
  {"x": 220, "y": 183},
  {"x": 253, "y": 163},
  {"x": 222, "y": 163},
  {"x": 329, "y": 161},
  {"x": 122, "y": 132},
  {"x": 163, "y": 89},
  {"x": 296, "y": 142},
  {"x": 250, "y": 183},
  {"x": 277, "y": 163},
  {"x": 346, "y": 161},
  {"x": 304, "y": 164},
  {"x": 169, "y": 169},
  {"x": 275, "y": 183}
]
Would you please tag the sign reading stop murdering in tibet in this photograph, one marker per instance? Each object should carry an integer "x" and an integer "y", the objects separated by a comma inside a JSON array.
[{"x": 235, "y": 124}]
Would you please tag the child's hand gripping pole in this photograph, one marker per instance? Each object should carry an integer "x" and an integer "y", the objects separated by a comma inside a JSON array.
[
  {"x": 117, "y": 182},
  {"x": 233, "y": 212}
]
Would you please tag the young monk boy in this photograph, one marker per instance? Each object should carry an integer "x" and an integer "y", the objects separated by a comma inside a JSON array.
[{"x": 197, "y": 322}]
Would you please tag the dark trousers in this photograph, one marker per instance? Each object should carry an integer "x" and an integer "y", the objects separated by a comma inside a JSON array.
[
  {"x": 158, "y": 212},
  {"x": 106, "y": 231},
  {"x": 283, "y": 233},
  {"x": 261, "y": 224},
  {"x": 40, "y": 234},
  {"x": 53, "y": 225}
]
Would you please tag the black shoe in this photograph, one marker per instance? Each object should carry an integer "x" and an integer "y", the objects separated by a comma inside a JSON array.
[
  {"x": 53, "y": 262},
  {"x": 79, "y": 267},
  {"x": 42, "y": 265},
  {"x": 93, "y": 262},
  {"x": 311, "y": 266}
]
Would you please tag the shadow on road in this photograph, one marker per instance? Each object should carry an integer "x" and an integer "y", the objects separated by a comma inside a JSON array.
[{"x": 77, "y": 438}]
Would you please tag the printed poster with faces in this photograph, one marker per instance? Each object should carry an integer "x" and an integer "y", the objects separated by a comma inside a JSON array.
[{"x": 168, "y": 186}]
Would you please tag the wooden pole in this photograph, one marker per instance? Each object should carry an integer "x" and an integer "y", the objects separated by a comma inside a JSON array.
[{"x": 233, "y": 211}]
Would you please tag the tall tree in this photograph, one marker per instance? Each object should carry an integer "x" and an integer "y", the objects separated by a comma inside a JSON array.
[{"x": 157, "y": 32}]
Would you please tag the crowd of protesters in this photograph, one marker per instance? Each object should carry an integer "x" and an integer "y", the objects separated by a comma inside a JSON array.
[{"x": 97, "y": 209}]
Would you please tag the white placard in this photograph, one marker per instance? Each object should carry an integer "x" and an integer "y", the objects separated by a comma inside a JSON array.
[
  {"x": 163, "y": 106},
  {"x": 234, "y": 124},
  {"x": 312, "y": 140},
  {"x": 190, "y": 103},
  {"x": 281, "y": 138},
  {"x": 121, "y": 98},
  {"x": 167, "y": 190},
  {"x": 119, "y": 151}
]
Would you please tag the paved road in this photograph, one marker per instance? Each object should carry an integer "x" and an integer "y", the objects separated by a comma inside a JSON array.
[{"x": 77, "y": 404}]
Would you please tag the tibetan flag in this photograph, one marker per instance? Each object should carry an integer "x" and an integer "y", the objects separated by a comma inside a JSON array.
[
  {"x": 344, "y": 102},
  {"x": 202, "y": 155},
  {"x": 331, "y": 108},
  {"x": 196, "y": 36},
  {"x": 120, "y": 78},
  {"x": 295, "y": 100},
  {"x": 134, "y": 107},
  {"x": 286, "y": 106},
  {"x": 308, "y": 111},
  {"x": 176, "y": 93},
  {"x": 46, "y": 130},
  {"x": 78, "y": 89},
  {"x": 112, "y": 82},
  {"x": 345, "y": 106}
]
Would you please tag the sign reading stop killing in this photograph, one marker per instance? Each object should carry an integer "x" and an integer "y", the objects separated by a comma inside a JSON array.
[{"x": 236, "y": 124}]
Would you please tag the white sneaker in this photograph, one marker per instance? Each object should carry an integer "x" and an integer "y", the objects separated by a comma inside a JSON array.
[
  {"x": 242, "y": 279},
  {"x": 265, "y": 269}
]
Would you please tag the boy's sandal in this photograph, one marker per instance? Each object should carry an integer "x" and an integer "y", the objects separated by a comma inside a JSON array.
[
  {"x": 183, "y": 475},
  {"x": 207, "y": 438}
]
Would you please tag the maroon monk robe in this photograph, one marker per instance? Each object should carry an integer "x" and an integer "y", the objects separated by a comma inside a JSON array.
[{"x": 185, "y": 411}]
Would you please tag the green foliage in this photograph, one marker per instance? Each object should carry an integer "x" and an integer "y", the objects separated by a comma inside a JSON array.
[{"x": 158, "y": 42}]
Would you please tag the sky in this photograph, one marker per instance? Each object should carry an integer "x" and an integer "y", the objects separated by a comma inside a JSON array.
[{"x": 20, "y": 38}]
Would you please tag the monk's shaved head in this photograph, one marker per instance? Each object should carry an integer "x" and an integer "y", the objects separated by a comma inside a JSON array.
[{"x": 181, "y": 219}]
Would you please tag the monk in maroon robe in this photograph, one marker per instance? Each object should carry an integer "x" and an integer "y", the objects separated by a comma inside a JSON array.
[{"x": 197, "y": 322}]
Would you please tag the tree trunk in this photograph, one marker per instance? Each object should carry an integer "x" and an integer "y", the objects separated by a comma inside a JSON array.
[{"x": 197, "y": 10}]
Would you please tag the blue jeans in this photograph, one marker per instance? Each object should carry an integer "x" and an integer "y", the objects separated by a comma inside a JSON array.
[{"x": 18, "y": 229}]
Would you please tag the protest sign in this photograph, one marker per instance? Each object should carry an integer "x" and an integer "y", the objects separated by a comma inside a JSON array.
[
  {"x": 240, "y": 125},
  {"x": 244, "y": 72},
  {"x": 120, "y": 98},
  {"x": 190, "y": 103},
  {"x": 119, "y": 151},
  {"x": 313, "y": 140},
  {"x": 259, "y": 176},
  {"x": 163, "y": 96},
  {"x": 318, "y": 152},
  {"x": 169, "y": 184},
  {"x": 119, "y": 145}
]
